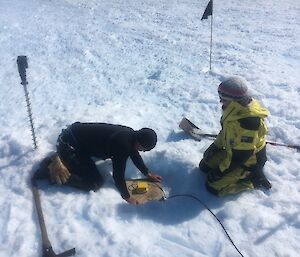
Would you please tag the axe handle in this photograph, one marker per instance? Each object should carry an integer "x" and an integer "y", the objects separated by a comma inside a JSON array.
[
  {"x": 47, "y": 248},
  {"x": 37, "y": 200}
]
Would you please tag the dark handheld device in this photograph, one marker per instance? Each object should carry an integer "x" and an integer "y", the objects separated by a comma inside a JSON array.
[{"x": 22, "y": 66}]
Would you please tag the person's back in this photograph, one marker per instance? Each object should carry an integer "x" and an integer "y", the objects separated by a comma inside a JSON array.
[{"x": 94, "y": 138}]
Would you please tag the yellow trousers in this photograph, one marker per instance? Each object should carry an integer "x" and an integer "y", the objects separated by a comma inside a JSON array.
[{"x": 230, "y": 183}]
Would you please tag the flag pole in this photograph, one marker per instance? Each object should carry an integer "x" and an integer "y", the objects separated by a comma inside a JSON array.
[
  {"x": 209, "y": 12},
  {"x": 211, "y": 29}
]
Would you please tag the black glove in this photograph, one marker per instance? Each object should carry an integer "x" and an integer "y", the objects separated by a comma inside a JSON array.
[
  {"x": 215, "y": 175},
  {"x": 210, "y": 152}
]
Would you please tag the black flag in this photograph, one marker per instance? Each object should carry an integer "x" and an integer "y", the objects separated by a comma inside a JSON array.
[{"x": 208, "y": 10}]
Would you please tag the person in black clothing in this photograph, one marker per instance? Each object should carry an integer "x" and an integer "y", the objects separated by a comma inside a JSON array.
[{"x": 79, "y": 142}]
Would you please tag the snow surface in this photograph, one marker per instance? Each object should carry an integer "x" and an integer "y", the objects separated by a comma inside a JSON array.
[{"x": 146, "y": 63}]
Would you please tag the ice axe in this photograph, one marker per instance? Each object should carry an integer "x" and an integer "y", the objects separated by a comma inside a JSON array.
[{"x": 47, "y": 248}]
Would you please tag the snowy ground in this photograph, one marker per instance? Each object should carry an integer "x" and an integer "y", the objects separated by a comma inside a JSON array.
[{"x": 146, "y": 63}]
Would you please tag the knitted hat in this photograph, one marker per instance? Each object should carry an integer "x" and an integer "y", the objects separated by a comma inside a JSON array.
[
  {"x": 147, "y": 138},
  {"x": 234, "y": 89}
]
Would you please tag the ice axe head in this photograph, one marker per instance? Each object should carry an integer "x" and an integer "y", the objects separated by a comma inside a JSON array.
[{"x": 48, "y": 252}]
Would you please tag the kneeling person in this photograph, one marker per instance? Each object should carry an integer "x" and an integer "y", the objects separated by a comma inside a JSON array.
[
  {"x": 78, "y": 143},
  {"x": 234, "y": 161}
]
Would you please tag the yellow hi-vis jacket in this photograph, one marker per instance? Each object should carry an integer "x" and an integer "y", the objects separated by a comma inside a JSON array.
[{"x": 234, "y": 136}]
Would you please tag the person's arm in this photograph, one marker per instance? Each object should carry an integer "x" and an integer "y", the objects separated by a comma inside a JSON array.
[
  {"x": 138, "y": 162},
  {"x": 240, "y": 145},
  {"x": 239, "y": 157},
  {"x": 120, "y": 146},
  {"x": 210, "y": 152},
  {"x": 218, "y": 142},
  {"x": 119, "y": 166}
]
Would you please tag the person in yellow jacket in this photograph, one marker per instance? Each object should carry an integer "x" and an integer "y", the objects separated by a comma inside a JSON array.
[{"x": 234, "y": 161}]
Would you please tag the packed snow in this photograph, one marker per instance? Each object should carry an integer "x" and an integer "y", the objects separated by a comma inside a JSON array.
[{"x": 146, "y": 64}]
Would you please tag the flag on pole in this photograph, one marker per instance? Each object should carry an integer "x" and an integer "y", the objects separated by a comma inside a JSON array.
[{"x": 208, "y": 10}]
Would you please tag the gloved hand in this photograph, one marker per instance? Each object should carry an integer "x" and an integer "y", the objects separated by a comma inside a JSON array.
[
  {"x": 210, "y": 152},
  {"x": 215, "y": 175},
  {"x": 59, "y": 174}
]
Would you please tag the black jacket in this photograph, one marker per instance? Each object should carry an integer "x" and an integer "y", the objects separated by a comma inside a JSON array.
[{"x": 105, "y": 141}]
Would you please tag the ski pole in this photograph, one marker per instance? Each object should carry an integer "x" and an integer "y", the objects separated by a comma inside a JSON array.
[{"x": 286, "y": 145}]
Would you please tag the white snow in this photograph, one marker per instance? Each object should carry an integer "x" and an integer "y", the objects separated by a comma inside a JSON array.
[{"x": 146, "y": 64}]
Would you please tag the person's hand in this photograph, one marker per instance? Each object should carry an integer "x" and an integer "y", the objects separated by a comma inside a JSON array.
[
  {"x": 59, "y": 174},
  {"x": 154, "y": 177},
  {"x": 131, "y": 200}
]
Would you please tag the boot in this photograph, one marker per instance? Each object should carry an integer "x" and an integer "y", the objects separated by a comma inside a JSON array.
[
  {"x": 259, "y": 180},
  {"x": 43, "y": 171}
]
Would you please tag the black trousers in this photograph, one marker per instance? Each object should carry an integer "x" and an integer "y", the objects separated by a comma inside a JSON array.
[{"x": 84, "y": 173}]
